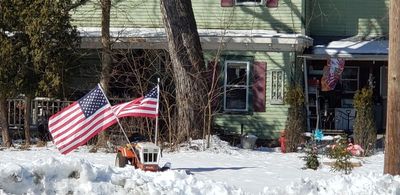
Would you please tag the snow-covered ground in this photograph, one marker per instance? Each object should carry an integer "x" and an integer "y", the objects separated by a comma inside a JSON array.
[{"x": 221, "y": 169}]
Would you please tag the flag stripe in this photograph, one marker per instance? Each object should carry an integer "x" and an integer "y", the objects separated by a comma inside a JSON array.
[
  {"x": 64, "y": 112},
  {"x": 138, "y": 115},
  {"x": 85, "y": 134},
  {"x": 82, "y": 126},
  {"x": 66, "y": 126},
  {"x": 140, "y": 107},
  {"x": 71, "y": 121},
  {"x": 88, "y": 136},
  {"x": 136, "y": 111},
  {"x": 74, "y": 125}
]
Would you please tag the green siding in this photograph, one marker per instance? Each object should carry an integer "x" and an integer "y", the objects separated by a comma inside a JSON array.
[
  {"x": 347, "y": 18},
  {"x": 208, "y": 13},
  {"x": 263, "y": 124}
]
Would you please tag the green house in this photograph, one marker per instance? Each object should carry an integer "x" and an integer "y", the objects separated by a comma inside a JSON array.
[
  {"x": 356, "y": 33},
  {"x": 260, "y": 42}
]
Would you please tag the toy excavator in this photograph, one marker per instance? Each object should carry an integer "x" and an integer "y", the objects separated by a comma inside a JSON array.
[{"x": 142, "y": 155}]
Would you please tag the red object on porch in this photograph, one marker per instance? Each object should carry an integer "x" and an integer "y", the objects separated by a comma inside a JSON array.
[{"x": 282, "y": 140}]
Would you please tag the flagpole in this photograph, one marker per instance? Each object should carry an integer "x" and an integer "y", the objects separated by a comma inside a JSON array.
[
  {"x": 123, "y": 131},
  {"x": 158, "y": 100}
]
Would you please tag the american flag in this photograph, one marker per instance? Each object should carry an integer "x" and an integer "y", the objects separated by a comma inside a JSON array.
[
  {"x": 140, "y": 107},
  {"x": 74, "y": 125}
]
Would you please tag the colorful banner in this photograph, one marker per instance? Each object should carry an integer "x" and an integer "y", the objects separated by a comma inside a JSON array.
[{"x": 331, "y": 73}]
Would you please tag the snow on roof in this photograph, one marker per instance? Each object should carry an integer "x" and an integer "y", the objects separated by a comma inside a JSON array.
[
  {"x": 160, "y": 32},
  {"x": 343, "y": 47}
]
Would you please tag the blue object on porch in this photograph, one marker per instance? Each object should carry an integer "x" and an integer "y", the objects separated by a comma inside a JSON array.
[{"x": 318, "y": 134}]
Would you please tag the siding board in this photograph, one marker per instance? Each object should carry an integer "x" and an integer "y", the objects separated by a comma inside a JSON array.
[
  {"x": 209, "y": 14},
  {"x": 348, "y": 18},
  {"x": 266, "y": 124}
]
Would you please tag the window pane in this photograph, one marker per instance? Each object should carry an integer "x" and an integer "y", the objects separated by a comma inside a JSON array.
[
  {"x": 145, "y": 156},
  {"x": 236, "y": 74},
  {"x": 155, "y": 157},
  {"x": 350, "y": 73},
  {"x": 235, "y": 98},
  {"x": 150, "y": 157},
  {"x": 350, "y": 86}
]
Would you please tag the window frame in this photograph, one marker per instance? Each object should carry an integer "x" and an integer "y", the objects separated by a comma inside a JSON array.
[
  {"x": 236, "y": 3},
  {"x": 276, "y": 101},
  {"x": 248, "y": 63},
  {"x": 352, "y": 79}
]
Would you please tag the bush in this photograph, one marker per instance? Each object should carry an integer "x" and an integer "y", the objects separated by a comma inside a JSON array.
[
  {"x": 341, "y": 155},
  {"x": 364, "y": 124},
  {"x": 296, "y": 123},
  {"x": 311, "y": 157}
]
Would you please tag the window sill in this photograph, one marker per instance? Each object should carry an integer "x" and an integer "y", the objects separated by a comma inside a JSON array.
[{"x": 237, "y": 112}]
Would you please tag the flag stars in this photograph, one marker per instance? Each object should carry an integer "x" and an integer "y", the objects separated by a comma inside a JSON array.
[{"x": 92, "y": 102}]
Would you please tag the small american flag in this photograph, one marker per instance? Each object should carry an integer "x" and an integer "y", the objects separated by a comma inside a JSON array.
[
  {"x": 140, "y": 107},
  {"x": 77, "y": 123}
]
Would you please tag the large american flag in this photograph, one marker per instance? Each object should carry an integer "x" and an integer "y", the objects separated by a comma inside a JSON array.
[
  {"x": 140, "y": 107},
  {"x": 76, "y": 124}
]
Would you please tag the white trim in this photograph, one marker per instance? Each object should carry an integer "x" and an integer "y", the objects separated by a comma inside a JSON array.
[
  {"x": 277, "y": 101},
  {"x": 247, "y": 83},
  {"x": 155, "y": 38},
  {"x": 262, "y": 2}
]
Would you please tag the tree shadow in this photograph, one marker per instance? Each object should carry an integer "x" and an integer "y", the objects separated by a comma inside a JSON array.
[
  {"x": 210, "y": 169},
  {"x": 339, "y": 18},
  {"x": 277, "y": 25}
]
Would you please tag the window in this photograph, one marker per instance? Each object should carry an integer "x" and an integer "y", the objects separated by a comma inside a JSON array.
[
  {"x": 277, "y": 86},
  {"x": 249, "y": 2},
  {"x": 350, "y": 78},
  {"x": 150, "y": 156},
  {"x": 236, "y": 86}
]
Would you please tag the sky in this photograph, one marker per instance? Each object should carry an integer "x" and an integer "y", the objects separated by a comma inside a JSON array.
[{"x": 220, "y": 169}]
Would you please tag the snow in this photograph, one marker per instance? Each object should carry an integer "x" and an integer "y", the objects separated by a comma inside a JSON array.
[
  {"x": 353, "y": 47},
  {"x": 220, "y": 169},
  {"x": 160, "y": 32}
]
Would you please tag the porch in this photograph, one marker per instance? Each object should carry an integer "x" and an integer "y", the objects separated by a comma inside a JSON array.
[{"x": 365, "y": 64}]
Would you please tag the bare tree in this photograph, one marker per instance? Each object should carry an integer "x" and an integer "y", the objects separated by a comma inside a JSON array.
[
  {"x": 106, "y": 60},
  {"x": 188, "y": 64},
  {"x": 392, "y": 145}
]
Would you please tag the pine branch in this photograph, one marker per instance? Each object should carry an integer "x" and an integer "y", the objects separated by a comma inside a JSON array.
[{"x": 76, "y": 4}]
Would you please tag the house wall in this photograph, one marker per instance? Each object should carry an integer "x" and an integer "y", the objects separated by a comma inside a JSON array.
[
  {"x": 347, "y": 18},
  {"x": 208, "y": 13},
  {"x": 286, "y": 18},
  {"x": 268, "y": 124}
]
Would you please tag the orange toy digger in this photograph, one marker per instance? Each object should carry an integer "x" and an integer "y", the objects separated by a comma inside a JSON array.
[{"x": 143, "y": 155}]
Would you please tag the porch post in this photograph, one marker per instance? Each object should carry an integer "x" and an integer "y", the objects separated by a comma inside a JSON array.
[{"x": 306, "y": 93}]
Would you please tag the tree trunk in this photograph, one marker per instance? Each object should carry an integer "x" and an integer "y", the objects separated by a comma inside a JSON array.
[
  {"x": 4, "y": 122},
  {"x": 106, "y": 57},
  {"x": 106, "y": 45},
  {"x": 188, "y": 63},
  {"x": 27, "y": 116},
  {"x": 392, "y": 145}
]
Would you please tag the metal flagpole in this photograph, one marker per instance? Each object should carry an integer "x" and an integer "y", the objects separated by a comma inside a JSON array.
[
  {"x": 123, "y": 131},
  {"x": 158, "y": 100}
]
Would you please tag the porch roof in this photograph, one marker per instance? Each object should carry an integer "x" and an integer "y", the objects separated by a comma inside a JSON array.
[
  {"x": 351, "y": 50},
  {"x": 211, "y": 39}
]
